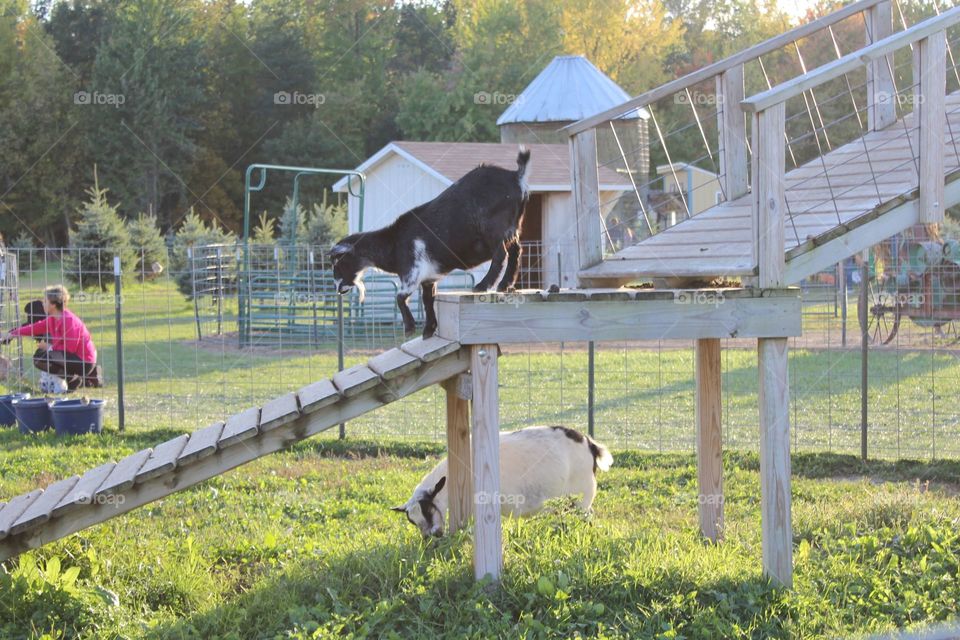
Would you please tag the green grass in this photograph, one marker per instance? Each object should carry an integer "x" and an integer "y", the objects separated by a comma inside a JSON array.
[{"x": 301, "y": 545}]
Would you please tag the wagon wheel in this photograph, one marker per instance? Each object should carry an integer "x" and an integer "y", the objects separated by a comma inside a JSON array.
[{"x": 883, "y": 313}]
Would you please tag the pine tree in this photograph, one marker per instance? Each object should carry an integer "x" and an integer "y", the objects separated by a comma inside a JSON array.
[
  {"x": 148, "y": 245},
  {"x": 293, "y": 224},
  {"x": 326, "y": 225},
  {"x": 192, "y": 235},
  {"x": 99, "y": 236}
]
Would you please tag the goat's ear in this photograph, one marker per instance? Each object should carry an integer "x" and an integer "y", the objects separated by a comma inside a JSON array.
[
  {"x": 340, "y": 249},
  {"x": 401, "y": 509},
  {"x": 438, "y": 487}
]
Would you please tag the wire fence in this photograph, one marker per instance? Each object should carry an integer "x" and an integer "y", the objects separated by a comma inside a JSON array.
[{"x": 184, "y": 365}]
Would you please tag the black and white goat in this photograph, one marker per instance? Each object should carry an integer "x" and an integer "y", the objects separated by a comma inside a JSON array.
[
  {"x": 477, "y": 218},
  {"x": 536, "y": 464}
]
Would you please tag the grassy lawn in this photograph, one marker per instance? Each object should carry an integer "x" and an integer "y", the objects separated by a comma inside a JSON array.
[{"x": 301, "y": 545}]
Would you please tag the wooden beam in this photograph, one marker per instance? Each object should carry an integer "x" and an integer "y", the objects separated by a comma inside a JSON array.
[
  {"x": 459, "y": 483},
  {"x": 769, "y": 204},
  {"x": 776, "y": 530},
  {"x": 653, "y": 315},
  {"x": 586, "y": 197},
  {"x": 931, "y": 53},
  {"x": 488, "y": 541},
  {"x": 733, "y": 134},
  {"x": 881, "y": 92},
  {"x": 709, "y": 440}
]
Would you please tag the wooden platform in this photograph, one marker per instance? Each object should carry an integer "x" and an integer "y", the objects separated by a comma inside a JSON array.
[
  {"x": 831, "y": 199},
  {"x": 618, "y": 314}
]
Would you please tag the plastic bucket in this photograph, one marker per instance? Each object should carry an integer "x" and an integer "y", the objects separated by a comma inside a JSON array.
[
  {"x": 7, "y": 417},
  {"x": 33, "y": 415},
  {"x": 73, "y": 417}
]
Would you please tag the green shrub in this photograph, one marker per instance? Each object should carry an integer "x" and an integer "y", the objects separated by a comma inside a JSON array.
[
  {"x": 192, "y": 234},
  {"x": 99, "y": 236},
  {"x": 148, "y": 245}
]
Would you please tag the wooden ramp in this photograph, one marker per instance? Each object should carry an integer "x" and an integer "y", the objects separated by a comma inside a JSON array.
[
  {"x": 846, "y": 200},
  {"x": 792, "y": 223},
  {"x": 44, "y": 515}
]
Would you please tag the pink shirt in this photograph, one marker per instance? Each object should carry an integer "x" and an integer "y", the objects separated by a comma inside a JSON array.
[{"x": 66, "y": 333}]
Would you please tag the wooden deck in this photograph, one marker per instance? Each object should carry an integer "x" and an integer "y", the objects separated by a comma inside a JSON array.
[{"x": 833, "y": 199}]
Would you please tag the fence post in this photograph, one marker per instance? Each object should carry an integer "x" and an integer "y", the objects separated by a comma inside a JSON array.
[
  {"x": 343, "y": 425},
  {"x": 117, "y": 304},
  {"x": 193, "y": 290},
  {"x": 591, "y": 386},
  {"x": 864, "y": 351}
]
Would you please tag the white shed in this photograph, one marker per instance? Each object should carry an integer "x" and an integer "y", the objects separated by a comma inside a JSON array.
[{"x": 403, "y": 175}]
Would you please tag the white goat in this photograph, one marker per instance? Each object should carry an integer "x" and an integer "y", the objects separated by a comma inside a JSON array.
[{"x": 536, "y": 464}]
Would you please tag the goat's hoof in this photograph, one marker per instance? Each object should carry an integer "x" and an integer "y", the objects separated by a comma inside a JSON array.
[{"x": 428, "y": 332}]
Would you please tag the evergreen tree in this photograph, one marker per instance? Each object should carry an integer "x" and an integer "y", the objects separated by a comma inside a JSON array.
[
  {"x": 148, "y": 245},
  {"x": 193, "y": 234},
  {"x": 326, "y": 225},
  {"x": 100, "y": 235}
]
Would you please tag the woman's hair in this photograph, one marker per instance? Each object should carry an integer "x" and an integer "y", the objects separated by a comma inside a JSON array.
[{"x": 57, "y": 295}]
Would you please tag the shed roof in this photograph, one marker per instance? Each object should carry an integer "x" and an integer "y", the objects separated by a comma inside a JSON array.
[
  {"x": 570, "y": 88},
  {"x": 450, "y": 161}
]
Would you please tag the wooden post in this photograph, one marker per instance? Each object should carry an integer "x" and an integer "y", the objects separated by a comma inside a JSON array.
[
  {"x": 487, "y": 543},
  {"x": 733, "y": 133},
  {"x": 709, "y": 441},
  {"x": 586, "y": 197},
  {"x": 930, "y": 55},
  {"x": 769, "y": 209},
  {"x": 881, "y": 92},
  {"x": 459, "y": 485}
]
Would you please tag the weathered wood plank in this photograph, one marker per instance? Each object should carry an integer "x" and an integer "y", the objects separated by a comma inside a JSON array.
[
  {"x": 393, "y": 364},
  {"x": 355, "y": 380},
  {"x": 163, "y": 459},
  {"x": 239, "y": 427},
  {"x": 881, "y": 108},
  {"x": 430, "y": 349},
  {"x": 459, "y": 482},
  {"x": 279, "y": 411},
  {"x": 586, "y": 197},
  {"x": 123, "y": 474},
  {"x": 769, "y": 203},
  {"x": 14, "y": 509},
  {"x": 709, "y": 439},
  {"x": 82, "y": 493},
  {"x": 202, "y": 443},
  {"x": 733, "y": 134},
  {"x": 774, "y": 400},
  {"x": 683, "y": 315},
  {"x": 932, "y": 57},
  {"x": 317, "y": 395},
  {"x": 488, "y": 543},
  {"x": 40, "y": 509}
]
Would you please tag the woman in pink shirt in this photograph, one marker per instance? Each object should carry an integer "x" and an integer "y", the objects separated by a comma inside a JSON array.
[{"x": 70, "y": 353}]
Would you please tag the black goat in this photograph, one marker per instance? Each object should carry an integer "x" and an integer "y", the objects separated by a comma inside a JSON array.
[{"x": 477, "y": 218}]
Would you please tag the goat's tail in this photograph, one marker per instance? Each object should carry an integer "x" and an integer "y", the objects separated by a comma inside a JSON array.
[
  {"x": 602, "y": 458},
  {"x": 523, "y": 159}
]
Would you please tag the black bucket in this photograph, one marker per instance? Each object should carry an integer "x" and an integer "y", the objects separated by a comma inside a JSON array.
[
  {"x": 76, "y": 417},
  {"x": 33, "y": 415},
  {"x": 7, "y": 417}
]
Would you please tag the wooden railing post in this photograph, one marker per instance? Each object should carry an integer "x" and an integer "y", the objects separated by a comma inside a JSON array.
[
  {"x": 769, "y": 210},
  {"x": 733, "y": 133},
  {"x": 930, "y": 82},
  {"x": 881, "y": 92},
  {"x": 586, "y": 196}
]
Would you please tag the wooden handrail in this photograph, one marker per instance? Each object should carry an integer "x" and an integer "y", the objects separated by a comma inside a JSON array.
[
  {"x": 850, "y": 62},
  {"x": 720, "y": 66}
]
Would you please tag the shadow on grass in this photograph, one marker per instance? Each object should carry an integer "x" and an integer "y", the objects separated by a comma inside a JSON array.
[{"x": 419, "y": 590}]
